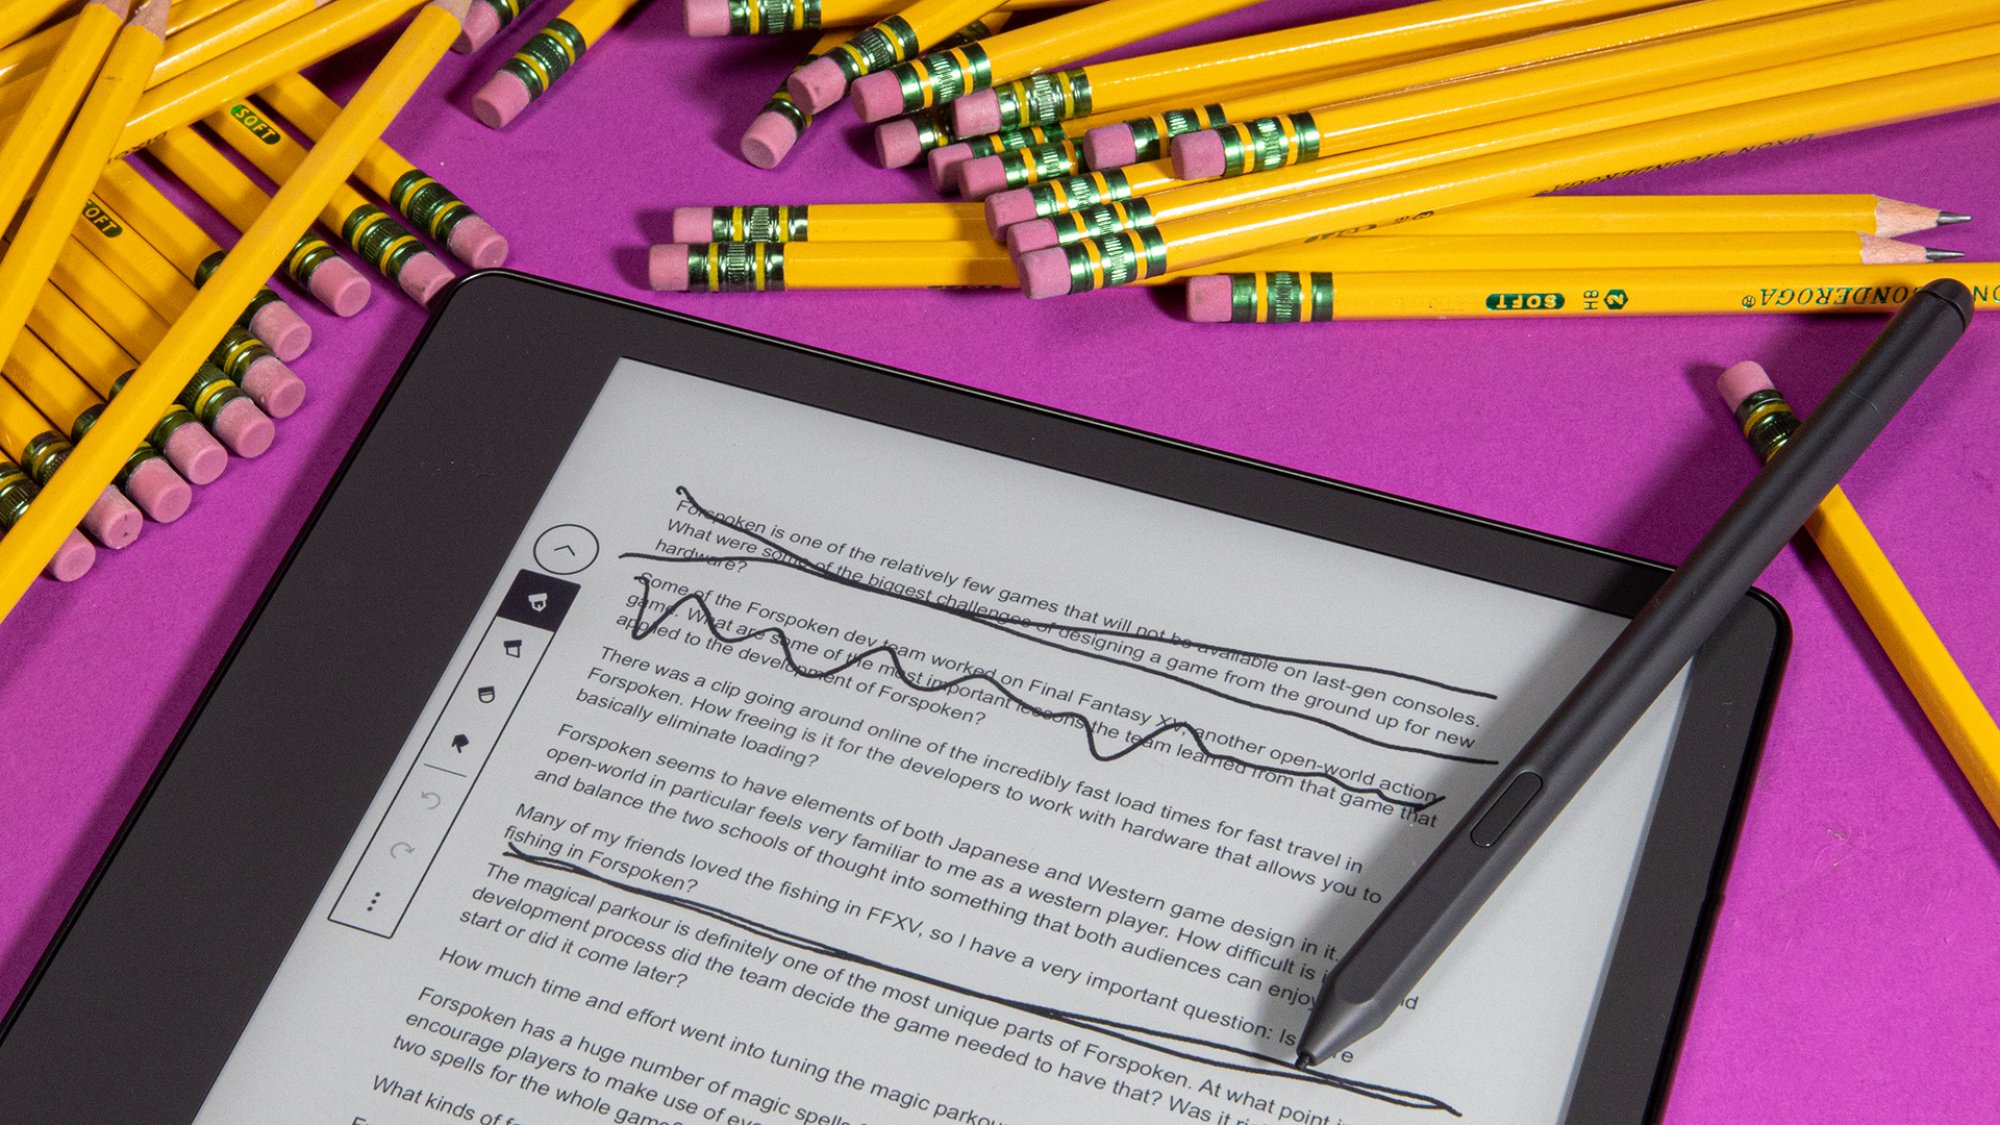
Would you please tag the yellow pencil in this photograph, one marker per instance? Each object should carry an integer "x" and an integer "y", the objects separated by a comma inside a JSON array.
[
  {"x": 68, "y": 402},
  {"x": 1288, "y": 297},
  {"x": 544, "y": 59},
  {"x": 415, "y": 194},
  {"x": 32, "y": 442},
  {"x": 286, "y": 50},
  {"x": 82, "y": 155},
  {"x": 245, "y": 21},
  {"x": 1674, "y": 51},
  {"x": 312, "y": 264},
  {"x": 1297, "y": 53},
  {"x": 1905, "y": 634},
  {"x": 20, "y": 17},
  {"x": 381, "y": 241},
  {"x": 33, "y": 136},
  {"x": 1129, "y": 256},
  {"x": 782, "y": 17},
  {"x": 818, "y": 85},
  {"x": 153, "y": 280},
  {"x": 195, "y": 255},
  {"x": 103, "y": 368},
  {"x": 1686, "y": 214},
  {"x": 831, "y": 222},
  {"x": 1181, "y": 200},
  {"x": 97, "y": 457},
  {"x": 213, "y": 396},
  {"x": 941, "y": 76}
]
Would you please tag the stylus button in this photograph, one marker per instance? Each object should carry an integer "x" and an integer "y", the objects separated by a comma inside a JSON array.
[{"x": 1494, "y": 824}]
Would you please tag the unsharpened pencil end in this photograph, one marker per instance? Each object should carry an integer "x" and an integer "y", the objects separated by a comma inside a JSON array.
[
  {"x": 897, "y": 143},
  {"x": 1110, "y": 146},
  {"x": 877, "y": 96},
  {"x": 707, "y": 18},
  {"x": 1035, "y": 234},
  {"x": 944, "y": 164},
  {"x": 982, "y": 176},
  {"x": 196, "y": 454},
  {"x": 74, "y": 558},
  {"x": 246, "y": 430},
  {"x": 976, "y": 114},
  {"x": 1208, "y": 299},
  {"x": 667, "y": 267},
  {"x": 340, "y": 287},
  {"x": 283, "y": 330},
  {"x": 475, "y": 242},
  {"x": 159, "y": 491},
  {"x": 273, "y": 387},
  {"x": 768, "y": 140},
  {"x": 817, "y": 86},
  {"x": 423, "y": 277},
  {"x": 501, "y": 100},
  {"x": 1044, "y": 273},
  {"x": 1200, "y": 156},
  {"x": 1741, "y": 380},
  {"x": 1005, "y": 208},
  {"x": 482, "y": 23},
  {"x": 112, "y": 520}
]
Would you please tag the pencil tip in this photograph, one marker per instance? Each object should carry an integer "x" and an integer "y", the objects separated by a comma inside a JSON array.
[
  {"x": 1305, "y": 1060},
  {"x": 150, "y": 15},
  {"x": 1952, "y": 218},
  {"x": 1931, "y": 254}
]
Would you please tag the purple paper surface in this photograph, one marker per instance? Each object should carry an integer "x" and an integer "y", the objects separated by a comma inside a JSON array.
[{"x": 1854, "y": 974}]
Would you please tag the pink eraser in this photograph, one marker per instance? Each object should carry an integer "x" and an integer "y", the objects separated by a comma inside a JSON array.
[
  {"x": 159, "y": 491},
  {"x": 897, "y": 143},
  {"x": 113, "y": 521},
  {"x": 1741, "y": 380},
  {"x": 1044, "y": 273},
  {"x": 877, "y": 96},
  {"x": 1199, "y": 156},
  {"x": 340, "y": 287},
  {"x": 244, "y": 428},
  {"x": 1005, "y": 208},
  {"x": 273, "y": 387},
  {"x": 1110, "y": 146},
  {"x": 501, "y": 100},
  {"x": 694, "y": 224},
  {"x": 707, "y": 18},
  {"x": 1034, "y": 234},
  {"x": 481, "y": 24},
  {"x": 667, "y": 267},
  {"x": 195, "y": 452},
  {"x": 944, "y": 164},
  {"x": 982, "y": 176},
  {"x": 976, "y": 114},
  {"x": 768, "y": 139},
  {"x": 283, "y": 330},
  {"x": 423, "y": 277},
  {"x": 475, "y": 242},
  {"x": 817, "y": 86},
  {"x": 1208, "y": 299},
  {"x": 73, "y": 559}
]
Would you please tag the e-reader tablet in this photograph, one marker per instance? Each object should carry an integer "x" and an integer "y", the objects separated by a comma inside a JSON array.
[{"x": 657, "y": 723}]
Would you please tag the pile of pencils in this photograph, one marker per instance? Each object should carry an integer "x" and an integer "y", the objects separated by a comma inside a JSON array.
[
  {"x": 103, "y": 277},
  {"x": 1382, "y": 165}
]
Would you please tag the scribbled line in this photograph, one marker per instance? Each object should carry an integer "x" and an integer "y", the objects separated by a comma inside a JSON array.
[{"x": 1127, "y": 1033}]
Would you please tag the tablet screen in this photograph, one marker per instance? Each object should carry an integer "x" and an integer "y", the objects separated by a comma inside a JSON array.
[{"x": 798, "y": 768}]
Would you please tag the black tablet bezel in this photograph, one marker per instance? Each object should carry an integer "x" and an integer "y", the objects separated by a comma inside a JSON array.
[{"x": 132, "y": 1011}]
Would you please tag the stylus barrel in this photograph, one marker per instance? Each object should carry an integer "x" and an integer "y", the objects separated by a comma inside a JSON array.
[{"x": 1385, "y": 964}]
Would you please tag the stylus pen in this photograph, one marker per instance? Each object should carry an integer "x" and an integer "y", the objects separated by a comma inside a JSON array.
[{"x": 1400, "y": 945}]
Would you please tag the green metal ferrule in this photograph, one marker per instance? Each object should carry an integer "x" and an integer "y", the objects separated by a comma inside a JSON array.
[
  {"x": 208, "y": 266},
  {"x": 876, "y": 48},
  {"x": 308, "y": 255},
  {"x": 937, "y": 78},
  {"x": 1115, "y": 259},
  {"x": 263, "y": 297},
  {"x": 1280, "y": 297},
  {"x": 1038, "y": 163},
  {"x": 772, "y": 17},
  {"x": 737, "y": 267},
  {"x": 15, "y": 492},
  {"x": 381, "y": 241},
  {"x": 427, "y": 203},
  {"x": 781, "y": 103},
  {"x": 1101, "y": 219},
  {"x": 1007, "y": 140},
  {"x": 208, "y": 392},
  {"x": 44, "y": 454},
  {"x": 546, "y": 57},
  {"x": 1268, "y": 143},
  {"x": 1041, "y": 98},
  {"x": 237, "y": 351},
  {"x": 760, "y": 222},
  {"x": 1768, "y": 421},
  {"x": 934, "y": 129},
  {"x": 1059, "y": 196}
]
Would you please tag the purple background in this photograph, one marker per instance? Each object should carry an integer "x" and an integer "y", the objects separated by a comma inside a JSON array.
[{"x": 1854, "y": 975}]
